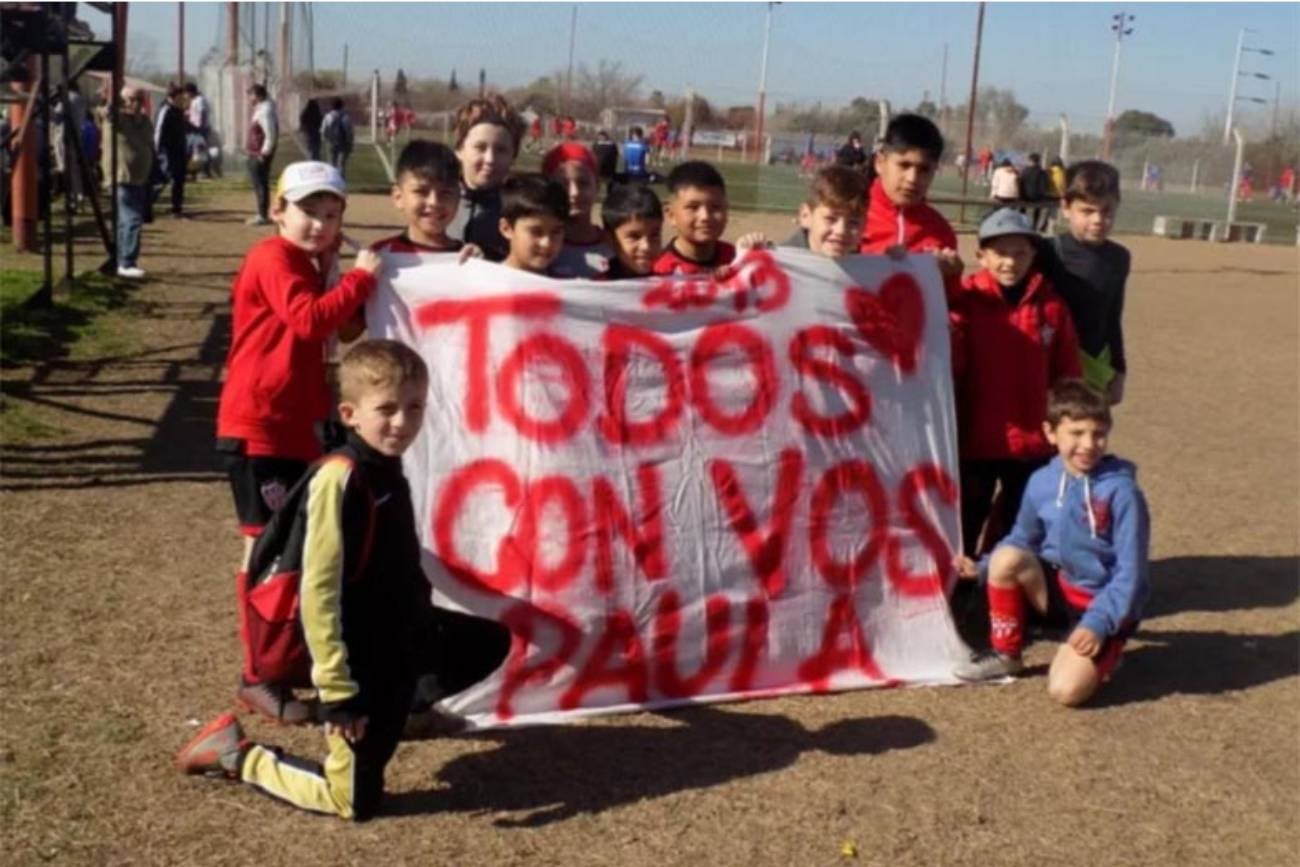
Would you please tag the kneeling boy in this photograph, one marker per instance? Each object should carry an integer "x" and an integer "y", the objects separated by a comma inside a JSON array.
[
  {"x": 1078, "y": 552},
  {"x": 367, "y": 619}
]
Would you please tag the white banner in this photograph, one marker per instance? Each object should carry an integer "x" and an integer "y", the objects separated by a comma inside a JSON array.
[
  {"x": 711, "y": 138},
  {"x": 677, "y": 490}
]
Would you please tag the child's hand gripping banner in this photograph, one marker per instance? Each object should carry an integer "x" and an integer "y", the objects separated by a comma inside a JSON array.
[{"x": 676, "y": 490}]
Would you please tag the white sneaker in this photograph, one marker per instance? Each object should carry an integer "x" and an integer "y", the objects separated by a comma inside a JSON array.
[
  {"x": 989, "y": 665},
  {"x": 257, "y": 221},
  {"x": 131, "y": 272}
]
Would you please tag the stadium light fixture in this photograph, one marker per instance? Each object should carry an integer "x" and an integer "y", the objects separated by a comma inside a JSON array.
[
  {"x": 1120, "y": 26},
  {"x": 1237, "y": 73}
]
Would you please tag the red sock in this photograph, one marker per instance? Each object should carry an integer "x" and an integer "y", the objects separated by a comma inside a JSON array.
[
  {"x": 241, "y": 602},
  {"x": 1006, "y": 620}
]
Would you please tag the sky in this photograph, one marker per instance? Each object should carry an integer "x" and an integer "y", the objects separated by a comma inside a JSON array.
[{"x": 1056, "y": 57}]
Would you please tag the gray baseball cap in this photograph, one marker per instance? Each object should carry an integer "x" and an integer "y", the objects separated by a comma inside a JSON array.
[{"x": 1005, "y": 221}]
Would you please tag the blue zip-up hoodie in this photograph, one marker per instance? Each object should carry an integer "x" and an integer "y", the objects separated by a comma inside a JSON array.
[{"x": 1097, "y": 530}]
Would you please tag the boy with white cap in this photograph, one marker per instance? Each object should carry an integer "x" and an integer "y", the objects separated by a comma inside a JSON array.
[
  {"x": 1012, "y": 340},
  {"x": 276, "y": 389}
]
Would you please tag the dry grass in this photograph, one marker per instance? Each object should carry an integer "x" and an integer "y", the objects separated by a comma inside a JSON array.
[{"x": 117, "y": 631}]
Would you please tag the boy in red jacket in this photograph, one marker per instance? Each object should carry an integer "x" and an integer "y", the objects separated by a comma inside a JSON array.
[
  {"x": 898, "y": 217},
  {"x": 1012, "y": 339},
  {"x": 276, "y": 390}
]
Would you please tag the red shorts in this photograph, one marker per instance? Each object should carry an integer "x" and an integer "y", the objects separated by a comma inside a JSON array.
[{"x": 1066, "y": 605}]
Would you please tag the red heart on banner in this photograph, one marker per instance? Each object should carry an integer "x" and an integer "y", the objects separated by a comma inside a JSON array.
[{"x": 891, "y": 320}]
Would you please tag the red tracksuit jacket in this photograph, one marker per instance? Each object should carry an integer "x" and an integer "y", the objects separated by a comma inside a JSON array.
[
  {"x": 1004, "y": 361},
  {"x": 275, "y": 389},
  {"x": 919, "y": 228}
]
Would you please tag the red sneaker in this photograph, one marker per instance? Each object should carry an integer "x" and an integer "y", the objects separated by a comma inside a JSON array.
[{"x": 216, "y": 749}]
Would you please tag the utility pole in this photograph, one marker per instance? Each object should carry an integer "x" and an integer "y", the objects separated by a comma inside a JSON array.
[
  {"x": 568, "y": 76},
  {"x": 762, "y": 87},
  {"x": 1121, "y": 29},
  {"x": 344, "y": 84},
  {"x": 970, "y": 108}
]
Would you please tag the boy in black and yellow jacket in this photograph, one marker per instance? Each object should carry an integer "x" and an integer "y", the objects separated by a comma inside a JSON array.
[{"x": 367, "y": 619}]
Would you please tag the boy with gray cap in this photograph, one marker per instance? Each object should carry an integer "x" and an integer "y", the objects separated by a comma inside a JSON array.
[{"x": 1012, "y": 340}]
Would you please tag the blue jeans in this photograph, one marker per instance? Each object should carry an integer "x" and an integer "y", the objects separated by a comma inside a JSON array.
[{"x": 132, "y": 199}]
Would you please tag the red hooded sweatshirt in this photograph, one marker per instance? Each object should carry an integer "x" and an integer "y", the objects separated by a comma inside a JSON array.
[
  {"x": 1004, "y": 360},
  {"x": 275, "y": 389},
  {"x": 919, "y": 228}
]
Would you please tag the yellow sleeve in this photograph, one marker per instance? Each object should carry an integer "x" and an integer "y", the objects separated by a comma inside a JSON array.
[{"x": 322, "y": 583}]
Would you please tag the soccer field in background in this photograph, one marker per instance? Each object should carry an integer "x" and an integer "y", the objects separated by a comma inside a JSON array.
[{"x": 779, "y": 188}]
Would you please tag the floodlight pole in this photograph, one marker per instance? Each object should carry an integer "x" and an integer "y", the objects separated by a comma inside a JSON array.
[
  {"x": 762, "y": 88},
  {"x": 1232, "y": 87},
  {"x": 1236, "y": 181},
  {"x": 1121, "y": 30}
]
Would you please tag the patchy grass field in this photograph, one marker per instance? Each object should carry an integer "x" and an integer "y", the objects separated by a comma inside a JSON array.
[{"x": 117, "y": 631}]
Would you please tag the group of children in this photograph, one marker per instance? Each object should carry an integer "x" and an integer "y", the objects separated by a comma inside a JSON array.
[{"x": 1076, "y": 547}]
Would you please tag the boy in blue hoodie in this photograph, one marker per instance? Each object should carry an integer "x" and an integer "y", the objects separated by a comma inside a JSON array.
[{"x": 1078, "y": 553}]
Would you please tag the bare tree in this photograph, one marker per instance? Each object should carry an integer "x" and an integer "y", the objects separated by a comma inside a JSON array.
[{"x": 606, "y": 86}]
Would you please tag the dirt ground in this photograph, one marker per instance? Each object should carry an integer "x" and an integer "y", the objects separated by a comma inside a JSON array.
[{"x": 117, "y": 633}]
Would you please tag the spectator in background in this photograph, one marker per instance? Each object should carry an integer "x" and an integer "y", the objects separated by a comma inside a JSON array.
[
  {"x": 259, "y": 147},
  {"x": 1004, "y": 186},
  {"x": 852, "y": 155},
  {"x": 134, "y": 173},
  {"x": 1286, "y": 184},
  {"x": 634, "y": 156},
  {"x": 199, "y": 114},
  {"x": 1055, "y": 191},
  {"x": 1033, "y": 189},
  {"x": 336, "y": 132},
  {"x": 986, "y": 165},
  {"x": 171, "y": 140},
  {"x": 606, "y": 153},
  {"x": 90, "y": 146},
  {"x": 309, "y": 129}
]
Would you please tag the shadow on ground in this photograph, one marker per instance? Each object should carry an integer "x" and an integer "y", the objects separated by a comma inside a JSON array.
[
  {"x": 1199, "y": 663},
  {"x": 554, "y": 773},
  {"x": 1181, "y": 584},
  {"x": 176, "y": 447}
]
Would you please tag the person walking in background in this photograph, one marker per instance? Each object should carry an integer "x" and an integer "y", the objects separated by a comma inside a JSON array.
[
  {"x": 171, "y": 140},
  {"x": 336, "y": 132},
  {"x": 199, "y": 114},
  {"x": 259, "y": 147},
  {"x": 309, "y": 129},
  {"x": 134, "y": 171}
]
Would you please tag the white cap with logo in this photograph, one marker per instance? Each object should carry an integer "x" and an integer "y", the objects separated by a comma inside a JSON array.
[{"x": 300, "y": 180}]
